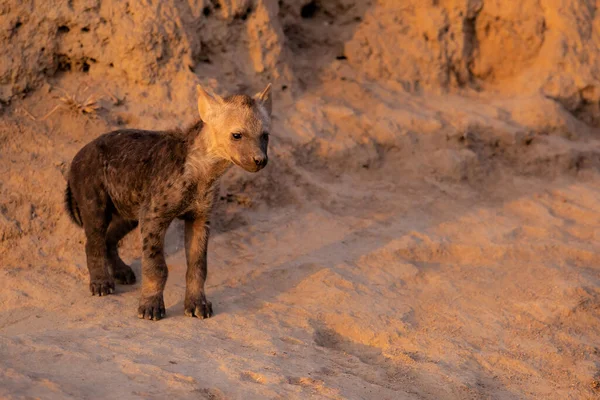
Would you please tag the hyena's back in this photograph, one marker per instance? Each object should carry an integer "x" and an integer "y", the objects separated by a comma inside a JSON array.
[{"x": 114, "y": 171}]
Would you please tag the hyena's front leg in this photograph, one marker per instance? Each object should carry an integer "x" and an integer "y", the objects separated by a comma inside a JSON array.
[
  {"x": 196, "y": 242},
  {"x": 154, "y": 268}
]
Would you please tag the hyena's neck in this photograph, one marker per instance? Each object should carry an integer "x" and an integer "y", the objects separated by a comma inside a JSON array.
[{"x": 202, "y": 162}]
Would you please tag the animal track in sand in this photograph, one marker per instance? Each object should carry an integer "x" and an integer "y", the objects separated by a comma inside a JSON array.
[
  {"x": 210, "y": 394},
  {"x": 315, "y": 385},
  {"x": 253, "y": 377}
]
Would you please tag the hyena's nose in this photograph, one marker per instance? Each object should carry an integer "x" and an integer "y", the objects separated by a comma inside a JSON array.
[{"x": 260, "y": 161}]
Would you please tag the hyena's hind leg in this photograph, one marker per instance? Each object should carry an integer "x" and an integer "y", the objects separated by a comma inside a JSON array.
[
  {"x": 95, "y": 220},
  {"x": 118, "y": 228}
]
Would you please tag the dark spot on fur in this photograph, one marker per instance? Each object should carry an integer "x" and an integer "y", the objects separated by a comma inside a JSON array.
[
  {"x": 206, "y": 11},
  {"x": 85, "y": 67},
  {"x": 165, "y": 205},
  {"x": 85, "y": 29},
  {"x": 155, "y": 209},
  {"x": 309, "y": 10},
  {"x": 155, "y": 248},
  {"x": 244, "y": 16},
  {"x": 63, "y": 29},
  {"x": 145, "y": 247}
]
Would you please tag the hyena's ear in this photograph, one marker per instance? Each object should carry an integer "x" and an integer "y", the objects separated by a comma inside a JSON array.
[
  {"x": 208, "y": 102},
  {"x": 264, "y": 98}
]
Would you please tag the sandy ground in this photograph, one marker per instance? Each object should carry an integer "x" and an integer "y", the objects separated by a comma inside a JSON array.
[
  {"x": 420, "y": 296},
  {"x": 401, "y": 244}
]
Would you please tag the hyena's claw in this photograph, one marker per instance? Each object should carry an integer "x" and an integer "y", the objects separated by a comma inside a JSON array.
[
  {"x": 102, "y": 288},
  {"x": 201, "y": 309},
  {"x": 152, "y": 308}
]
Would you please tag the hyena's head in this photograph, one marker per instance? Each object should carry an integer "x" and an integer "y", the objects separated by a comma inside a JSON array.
[{"x": 238, "y": 126}]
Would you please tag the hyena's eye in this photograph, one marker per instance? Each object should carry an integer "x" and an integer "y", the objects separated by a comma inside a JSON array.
[{"x": 236, "y": 135}]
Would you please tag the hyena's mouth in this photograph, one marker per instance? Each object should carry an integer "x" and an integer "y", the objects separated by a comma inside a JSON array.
[{"x": 251, "y": 165}]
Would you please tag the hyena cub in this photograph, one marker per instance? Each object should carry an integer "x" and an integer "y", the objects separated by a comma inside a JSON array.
[{"x": 127, "y": 177}]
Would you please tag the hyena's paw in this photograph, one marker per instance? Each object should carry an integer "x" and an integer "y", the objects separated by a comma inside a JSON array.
[
  {"x": 102, "y": 287},
  {"x": 198, "y": 307},
  {"x": 124, "y": 275},
  {"x": 152, "y": 308}
]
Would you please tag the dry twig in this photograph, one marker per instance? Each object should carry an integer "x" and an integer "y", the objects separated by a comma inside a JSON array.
[{"x": 88, "y": 106}]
